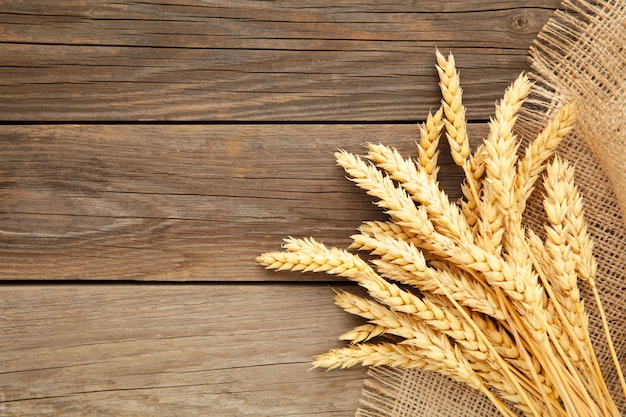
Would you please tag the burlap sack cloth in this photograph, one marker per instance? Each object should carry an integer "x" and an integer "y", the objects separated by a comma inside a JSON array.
[{"x": 579, "y": 54}]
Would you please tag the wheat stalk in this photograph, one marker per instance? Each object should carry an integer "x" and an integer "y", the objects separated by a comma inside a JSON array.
[
  {"x": 532, "y": 164},
  {"x": 456, "y": 125}
]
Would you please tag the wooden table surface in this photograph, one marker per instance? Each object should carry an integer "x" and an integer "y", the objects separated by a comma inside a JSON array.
[{"x": 150, "y": 150}]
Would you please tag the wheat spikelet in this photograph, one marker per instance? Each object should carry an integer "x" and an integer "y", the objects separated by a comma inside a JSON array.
[
  {"x": 382, "y": 228},
  {"x": 308, "y": 255},
  {"x": 395, "y": 200},
  {"x": 311, "y": 256},
  {"x": 581, "y": 246},
  {"x": 469, "y": 291},
  {"x": 387, "y": 354},
  {"x": 524, "y": 292},
  {"x": 456, "y": 125},
  {"x": 437, "y": 321},
  {"x": 368, "y": 229},
  {"x": 362, "y": 333},
  {"x": 428, "y": 147},
  {"x": 461, "y": 286},
  {"x": 472, "y": 188},
  {"x": 332, "y": 261},
  {"x": 415, "y": 333}
]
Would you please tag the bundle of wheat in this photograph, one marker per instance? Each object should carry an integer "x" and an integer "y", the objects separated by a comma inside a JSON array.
[{"x": 464, "y": 289}]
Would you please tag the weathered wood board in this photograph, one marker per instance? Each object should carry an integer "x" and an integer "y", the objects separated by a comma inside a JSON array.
[
  {"x": 172, "y": 142},
  {"x": 255, "y": 60},
  {"x": 180, "y": 202},
  {"x": 139, "y": 350}
]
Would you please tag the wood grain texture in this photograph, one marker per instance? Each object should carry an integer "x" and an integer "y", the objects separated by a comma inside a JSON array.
[
  {"x": 196, "y": 198},
  {"x": 170, "y": 350},
  {"x": 254, "y": 60},
  {"x": 183, "y": 202}
]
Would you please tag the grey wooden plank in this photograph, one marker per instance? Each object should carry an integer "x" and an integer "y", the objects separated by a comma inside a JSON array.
[
  {"x": 171, "y": 350},
  {"x": 180, "y": 202},
  {"x": 271, "y": 61}
]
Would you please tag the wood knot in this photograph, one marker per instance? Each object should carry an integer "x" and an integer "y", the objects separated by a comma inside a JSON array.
[{"x": 520, "y": 22}]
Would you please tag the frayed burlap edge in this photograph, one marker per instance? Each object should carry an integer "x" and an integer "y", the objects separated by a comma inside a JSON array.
[{"x": 579, "y": 55}]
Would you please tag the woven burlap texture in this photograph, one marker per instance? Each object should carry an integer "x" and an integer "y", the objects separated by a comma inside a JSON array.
[{"x": 580, "y": 54}]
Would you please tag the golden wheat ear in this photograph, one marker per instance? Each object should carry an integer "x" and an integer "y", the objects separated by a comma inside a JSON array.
[
  {"x": 454, "y": 110},
  {"x": 532, "y": 164},
  {"x": 428, "y": 146}
]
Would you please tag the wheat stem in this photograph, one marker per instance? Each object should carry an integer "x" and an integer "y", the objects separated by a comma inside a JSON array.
[
  {"x": 495, "y": 355},
  {"x": 607, "y": 334}
]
